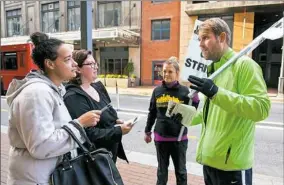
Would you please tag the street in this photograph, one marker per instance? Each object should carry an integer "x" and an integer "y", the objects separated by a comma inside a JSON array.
[{"x": 268, "y": 137}]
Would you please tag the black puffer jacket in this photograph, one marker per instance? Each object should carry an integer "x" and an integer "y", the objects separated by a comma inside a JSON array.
[{"x": 104, "y": 134}]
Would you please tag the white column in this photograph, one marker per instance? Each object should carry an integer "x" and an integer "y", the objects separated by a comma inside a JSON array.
[
  {"x": 281, "y": 77},
  {"x": 62, "y": 16},
  {"x": 37, "y": 16},
  {"x": 3, "y": 20},
  {"x": 24, "y": 18}
]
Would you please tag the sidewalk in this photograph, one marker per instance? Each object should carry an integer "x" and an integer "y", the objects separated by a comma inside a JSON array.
[
  {"x": 132, "y": 173},
  {"x": 138, "y": 90},
  {"x": 147, "y": 91},
  {"x": 135, "y": 173}
]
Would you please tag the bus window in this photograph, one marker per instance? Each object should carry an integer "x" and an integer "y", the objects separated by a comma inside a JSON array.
[{"x": 9, "y": 61}]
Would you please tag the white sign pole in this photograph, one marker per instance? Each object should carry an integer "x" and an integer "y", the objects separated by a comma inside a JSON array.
[{"x": 272, "y": 33}]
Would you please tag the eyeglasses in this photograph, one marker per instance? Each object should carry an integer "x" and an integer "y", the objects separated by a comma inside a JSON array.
[{"x": 93, "y": 65}]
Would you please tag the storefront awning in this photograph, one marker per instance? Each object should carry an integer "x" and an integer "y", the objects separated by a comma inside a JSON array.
[
  {"x": 230, "y": 7},
  {"x": 113, "y": 35}
]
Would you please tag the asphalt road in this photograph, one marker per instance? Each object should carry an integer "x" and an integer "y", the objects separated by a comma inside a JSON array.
[{"x": 268, "y": 137}]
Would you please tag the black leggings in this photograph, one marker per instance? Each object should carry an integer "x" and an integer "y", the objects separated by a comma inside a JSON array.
[{"x": 177, "y": 151}]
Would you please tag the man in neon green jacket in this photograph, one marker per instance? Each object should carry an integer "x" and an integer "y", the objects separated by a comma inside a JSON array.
[{"x": 236, "y": 100}]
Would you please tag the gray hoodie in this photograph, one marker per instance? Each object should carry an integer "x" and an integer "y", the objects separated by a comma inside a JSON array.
[{"x": 36, "y": 115}]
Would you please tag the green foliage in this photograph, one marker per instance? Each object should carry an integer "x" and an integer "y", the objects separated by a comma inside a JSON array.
[
  {"x": 133, "y": 76},
  {"x": 101, "y": 76},
  {"x": 111, "y": 76},
  {"x": 129, "y": 68},
  {"x": 116, "y": 76},
  {"x": 124, "y": 76}
]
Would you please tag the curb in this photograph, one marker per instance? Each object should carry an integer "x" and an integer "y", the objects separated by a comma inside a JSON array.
[
  {"x": 132, "y": 111},
  {"x": 273, "y": 98}
]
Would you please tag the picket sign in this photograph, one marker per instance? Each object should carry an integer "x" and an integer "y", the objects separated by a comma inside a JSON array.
[{"x": 194, "y": 63}]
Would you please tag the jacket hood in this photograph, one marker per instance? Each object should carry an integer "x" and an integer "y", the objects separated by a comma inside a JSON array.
[
  {"x": 71, "y": 86},
  {"x": 16, "y": 86},
  {"x": 74, "y": 88}
]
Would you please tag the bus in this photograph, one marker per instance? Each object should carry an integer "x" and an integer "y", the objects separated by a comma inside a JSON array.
[{"x": 16, "y": 62}]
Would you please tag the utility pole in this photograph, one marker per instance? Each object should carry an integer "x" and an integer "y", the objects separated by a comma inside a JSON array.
[
  {"x": 281, "y": 78},
  {"x": 86, "y": 25}
]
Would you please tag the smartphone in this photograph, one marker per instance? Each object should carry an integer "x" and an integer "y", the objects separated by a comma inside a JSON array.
[
  {"x": 135, "y": 121},
  {"x": 105, "y": 108}
]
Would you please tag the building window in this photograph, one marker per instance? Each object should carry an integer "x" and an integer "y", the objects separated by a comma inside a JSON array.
[
  {"x": 9, "y": 61},
  {"x": 14, "y": 20},
  {"x": 109, "y": 14},
  {"x": 113, "y": 60},
  {"x": 50, "y": 17},
  {"x": 196, "y": 2},
  {"x": 114, "y": 66},
  {"x": 161, "y": 1},
  {"x": 161, "y": 29},
  {"x": 10, "y": 2},
  {"x": 73, "y": 15}
]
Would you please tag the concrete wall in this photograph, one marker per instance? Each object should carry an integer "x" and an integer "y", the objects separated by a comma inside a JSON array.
[
  {"x": 37, "y": 16},
  {"x": 233, "y": 6},
  {"x": 131, "y": 13},
  {"x": 243, "y": 32},
  {"x": 31, "y": 19},
  {"x": 134, "y": 55},
  {"x": 2, "y": 20},
  {"x": 186, "y": 28}
]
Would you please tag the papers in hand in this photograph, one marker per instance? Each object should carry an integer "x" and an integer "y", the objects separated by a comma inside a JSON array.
[
  {"x": 187, "y": 112},
  {"x": 133, "y": 121}
]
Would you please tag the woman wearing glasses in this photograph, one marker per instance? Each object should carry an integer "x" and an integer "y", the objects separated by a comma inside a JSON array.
[{"x": 84, "y": 95}]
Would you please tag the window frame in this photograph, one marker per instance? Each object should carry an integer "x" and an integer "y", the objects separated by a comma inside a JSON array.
[
  {"x": 161, "y": 29},
  {"x": 70, "y": 7},
  {"x": 198, "y": 2},
  {"x": 161, "y": 1},
  {"x": 8, "y": 17},
  {"x": 157, "y": 62},
  {"x": 117, "y": 66},
  {"x": 53, "y": 10},
  {"x": 119, "y": 18},
  {"x": 3, "y": 64}
]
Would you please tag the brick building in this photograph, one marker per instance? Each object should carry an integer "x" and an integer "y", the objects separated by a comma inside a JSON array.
[
  {"x": 246, "y": 19},
  {"x": 160, "y": 37}
]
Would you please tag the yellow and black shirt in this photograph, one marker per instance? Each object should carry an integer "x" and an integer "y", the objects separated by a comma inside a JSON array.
[{"x": 165, "y": 127}]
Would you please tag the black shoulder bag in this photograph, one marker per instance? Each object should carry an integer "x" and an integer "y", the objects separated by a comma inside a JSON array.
[{"x": 92, "y": 167}]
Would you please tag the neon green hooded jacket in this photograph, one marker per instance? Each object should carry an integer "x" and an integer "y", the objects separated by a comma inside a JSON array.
[{"x": 227, "y": 136}]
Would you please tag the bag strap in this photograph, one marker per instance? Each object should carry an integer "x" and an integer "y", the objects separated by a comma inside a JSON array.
[
  {"x": 83, "y": 133},
  {"x": 69, "y": 131}
]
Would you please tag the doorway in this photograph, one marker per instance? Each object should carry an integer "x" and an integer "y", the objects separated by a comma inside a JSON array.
[
  {"x": 113, "y": 66},
  {"x": 157, "y": 72},
  {"x": 113, "y": 60},
  {"x": 268, "y": 54}
]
